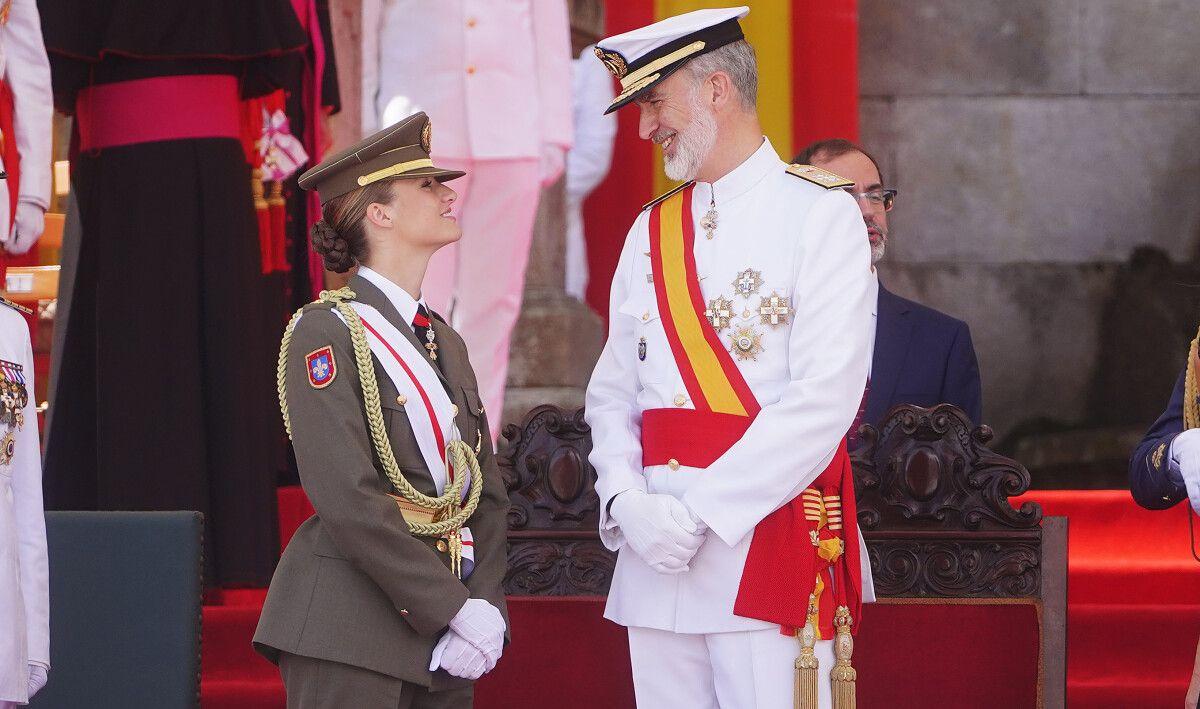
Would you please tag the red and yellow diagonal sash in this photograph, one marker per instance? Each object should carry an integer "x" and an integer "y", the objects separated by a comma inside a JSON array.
[{"x": 712, "y": 378}]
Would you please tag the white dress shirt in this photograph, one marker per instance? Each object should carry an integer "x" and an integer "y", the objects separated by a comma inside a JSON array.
[{"x": 405, "y": 304}]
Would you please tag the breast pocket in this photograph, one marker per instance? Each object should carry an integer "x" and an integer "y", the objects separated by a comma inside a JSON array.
[
  {"x": 649, "y": 346},
  {"x": 400, "y": 432},
  {"x": 472, "y": 424}
]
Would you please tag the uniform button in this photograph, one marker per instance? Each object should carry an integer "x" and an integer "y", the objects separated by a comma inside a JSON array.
[
  {"x": 470, "y": 68},
  {"x": 673, "y": 464},
  {"x": 442, "y": 547},
  {"x": 471, "y": 22},
  {"x": 645, "y": 316},
  {"x": 402, "y": 400},
  {"x": 454, "y": 408},
  {"x": 680, "y": 399}
]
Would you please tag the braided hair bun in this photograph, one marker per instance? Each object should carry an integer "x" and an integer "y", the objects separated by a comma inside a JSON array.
[{"x": 332, "y": 246}]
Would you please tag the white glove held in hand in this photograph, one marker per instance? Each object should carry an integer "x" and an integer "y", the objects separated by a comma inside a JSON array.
[
  {"x": 37, "y": 678},
  {"x": 459, "y": 657},
  {"x": 479, "y": 623},
  {"x": 28, "y": 226},
  {"x": 659, "y": 528}
]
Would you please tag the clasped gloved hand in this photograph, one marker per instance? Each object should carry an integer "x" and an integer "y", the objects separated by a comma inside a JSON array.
[{"x": 659, "y": 528}]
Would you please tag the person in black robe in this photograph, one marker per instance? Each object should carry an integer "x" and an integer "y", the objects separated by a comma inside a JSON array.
[{"x": 165, "y": 392}]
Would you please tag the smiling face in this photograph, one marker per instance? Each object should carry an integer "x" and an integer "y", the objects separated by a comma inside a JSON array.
[
  {"x": 677, "y": 115},
  {"x": 418, "y": 214},
  {"x": 858, "y": 167}
]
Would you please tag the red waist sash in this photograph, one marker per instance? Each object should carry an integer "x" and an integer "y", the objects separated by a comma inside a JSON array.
[{"x": 158, "y": 109}]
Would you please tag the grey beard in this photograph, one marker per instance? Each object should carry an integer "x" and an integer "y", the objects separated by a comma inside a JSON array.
[
  {"x": 694, "y": 143},
  {"x": 877, "y": 251}
]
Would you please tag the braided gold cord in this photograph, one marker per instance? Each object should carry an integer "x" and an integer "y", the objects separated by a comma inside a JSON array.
[
  {"x": 1191, "y": 407},
  {"x": 458, "y": 453}
]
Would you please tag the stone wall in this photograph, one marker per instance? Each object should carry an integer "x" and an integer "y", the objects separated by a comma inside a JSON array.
[{"x": 1035, "y": 144}]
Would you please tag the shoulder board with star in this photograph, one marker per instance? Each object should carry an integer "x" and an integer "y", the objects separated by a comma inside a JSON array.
[
  {"x": 664, "y": 195},
  {"x": 14, "y": 306},
  {"x": 819, "y": 177}
]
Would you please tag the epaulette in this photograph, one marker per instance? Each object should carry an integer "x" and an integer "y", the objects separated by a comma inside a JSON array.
[
  {"x": 664, "y": 195},
  {"x": 14, "y": 306},
  {"x": 819, "y": 177}
]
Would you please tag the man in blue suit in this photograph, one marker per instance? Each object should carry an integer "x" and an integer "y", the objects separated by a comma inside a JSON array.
[
  {"x": 1167, "y": 461},
  {"x": 921, "y": 356}
]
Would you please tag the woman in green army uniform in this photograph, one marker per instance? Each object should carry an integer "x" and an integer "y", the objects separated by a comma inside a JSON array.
[{"x": 391, "y": 594}]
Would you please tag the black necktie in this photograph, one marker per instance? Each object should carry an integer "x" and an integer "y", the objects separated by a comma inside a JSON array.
[{"x": 424, "y": 331}]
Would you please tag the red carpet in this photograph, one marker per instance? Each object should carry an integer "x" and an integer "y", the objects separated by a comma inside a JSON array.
[{"x": 1133, "y": 623}]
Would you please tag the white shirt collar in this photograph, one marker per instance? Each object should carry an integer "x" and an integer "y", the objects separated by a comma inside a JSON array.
[
  {"x": 753, "y": 169},
  {"x": 405, "y": 304}
]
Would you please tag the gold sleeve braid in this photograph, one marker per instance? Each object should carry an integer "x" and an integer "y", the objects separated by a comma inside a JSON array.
[
  {"x": 459, "y": 453},
  {"x": 1191, "y": 407}
]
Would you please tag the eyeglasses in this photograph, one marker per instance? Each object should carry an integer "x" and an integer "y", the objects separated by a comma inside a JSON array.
[{"x": 876, "y": 198}]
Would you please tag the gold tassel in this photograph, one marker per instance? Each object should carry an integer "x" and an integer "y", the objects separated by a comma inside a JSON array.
[
  {"x": 807, "y": 663},
  {"x": 843, "y": 674}
]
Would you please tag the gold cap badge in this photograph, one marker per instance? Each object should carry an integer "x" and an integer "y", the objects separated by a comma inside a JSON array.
[{"x": 613, "y": 61}]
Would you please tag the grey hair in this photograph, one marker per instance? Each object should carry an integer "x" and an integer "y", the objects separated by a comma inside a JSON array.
[{"x": 735, "y": 59}]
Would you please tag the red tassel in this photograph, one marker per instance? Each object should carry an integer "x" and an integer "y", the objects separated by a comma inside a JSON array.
[
  {"x": 278, "y": 207},
  {"x": 263, "y": 217}
]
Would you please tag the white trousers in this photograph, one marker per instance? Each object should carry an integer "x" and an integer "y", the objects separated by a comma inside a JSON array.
[
  {"x": 739, "y": 670},
  {"x": 478, "y": 282}
]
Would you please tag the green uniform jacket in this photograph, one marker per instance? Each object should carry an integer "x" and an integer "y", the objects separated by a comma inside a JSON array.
[{"x": 354, "y": 585}]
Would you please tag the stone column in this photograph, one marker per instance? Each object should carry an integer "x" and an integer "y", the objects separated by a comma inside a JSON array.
[{"x": 557, "y": 338}]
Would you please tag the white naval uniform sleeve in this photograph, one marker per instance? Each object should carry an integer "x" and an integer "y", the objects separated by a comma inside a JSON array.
[
  {"x": 31, "y": 523},
  {"x": 793, "y": 439},
  {"x": 611, "y": 405},
  {"x": 27, "y": 73},
  {"x": 552, "y": 48}
]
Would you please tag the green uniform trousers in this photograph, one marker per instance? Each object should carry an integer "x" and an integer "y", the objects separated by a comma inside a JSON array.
[{"x": 323, "y": 684}]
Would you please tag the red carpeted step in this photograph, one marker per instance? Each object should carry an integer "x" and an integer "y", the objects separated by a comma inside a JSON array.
[
  {"x": 242, "y": 694},
  {"x": 226, "y": 652},
  {"x": 1147, "y": 693},
  {"x": 1125, "y": 642}
]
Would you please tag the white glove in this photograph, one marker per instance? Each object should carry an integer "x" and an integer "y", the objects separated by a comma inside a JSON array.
[
  {"x": 659, "y": 528},
  {"x": 459, "y": 658},
  {"x": 1185, "y": 458},
  {"x": 552, "y": 163},
  {"x": 28, "y": 225},
  {"x": 38, "y": 675},
  {"x": 479, "y": 623}
]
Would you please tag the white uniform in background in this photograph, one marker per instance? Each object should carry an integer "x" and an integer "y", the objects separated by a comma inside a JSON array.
[
  {"x": 26, "y": 71},
  {"x": 24, "y": 578},
  {"x": 589, "y": 159},
  {"x": 776, "y": 235},
  {"x": 494, "y": 77}
]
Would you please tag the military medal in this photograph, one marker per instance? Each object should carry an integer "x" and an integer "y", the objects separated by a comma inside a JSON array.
[
  {"x": 8, "y": 448},
  {"x": 719, "y": 312},
  {"x": 747, "y": 282},
  {"x": 430, "y": 344},
  {"x": 14, "y": 397},
  {"x": 747, "y": 343},
  {"x": 774, "y": 310},
  {"x": 642, "y": 349},
  {"x": 709, "y": 222}
]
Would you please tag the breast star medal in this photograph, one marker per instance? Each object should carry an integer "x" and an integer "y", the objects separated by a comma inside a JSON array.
[
  {"x": 709, "y": 222},
  {"x": 14, "y": 397},
  {"x": 774, "y": 310},
  {"x": 747, "y": 282},
  {"x": 747, "y": 343},
  {"x": 719, "y": 312}
]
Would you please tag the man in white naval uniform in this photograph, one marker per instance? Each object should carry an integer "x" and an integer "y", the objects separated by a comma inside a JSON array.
[
  {"x": 495, "y": 78},
  {"x": 26, "y": 71},
  {"x": 783, "y": 271},
  {"x": 24, "y": 589}
]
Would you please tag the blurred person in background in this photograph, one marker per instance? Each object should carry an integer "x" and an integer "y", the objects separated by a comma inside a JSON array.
[
  {"x": 495, "y": 78},
  {"x": 919, "y": 355}
]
